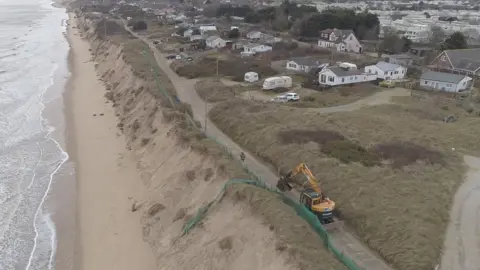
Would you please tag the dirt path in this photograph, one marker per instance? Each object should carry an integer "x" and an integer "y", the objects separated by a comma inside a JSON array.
[
  {"x": 343, "y": 240},
  {"x": 462, "y": 240}
]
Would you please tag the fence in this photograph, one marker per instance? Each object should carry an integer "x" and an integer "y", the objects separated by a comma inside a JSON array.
[{"x": 257, "y": 181}]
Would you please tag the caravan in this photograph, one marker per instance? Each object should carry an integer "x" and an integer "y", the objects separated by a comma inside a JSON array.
[{"x": 277, "y": 82}]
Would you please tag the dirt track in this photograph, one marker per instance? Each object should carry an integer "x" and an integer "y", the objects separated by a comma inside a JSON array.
[
  {"x": 462, "y": 241},
  {"x": 343, "y": 240}
]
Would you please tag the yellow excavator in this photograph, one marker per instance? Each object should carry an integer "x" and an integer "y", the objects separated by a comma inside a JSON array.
[{"x": 312, "y": 197}]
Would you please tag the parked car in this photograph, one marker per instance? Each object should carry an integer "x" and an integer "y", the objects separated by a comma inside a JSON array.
[
  {"x": 387, "y": 84},
  {"x": 171, "y": 56},
  {"x": 189, "y": 59},
  {"x": 178, "y": 57},
  {"x": 286, "y": 98},
  {"x": 292, "y": 96}
]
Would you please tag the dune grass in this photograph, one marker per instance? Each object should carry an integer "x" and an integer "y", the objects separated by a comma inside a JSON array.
[{"x": 399, "y": 201}]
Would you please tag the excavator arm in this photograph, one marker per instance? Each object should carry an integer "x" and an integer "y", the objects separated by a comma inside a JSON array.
[{"x": 283, "y": 183}]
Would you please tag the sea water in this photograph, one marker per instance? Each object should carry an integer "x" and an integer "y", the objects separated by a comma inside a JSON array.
[{"x": 33, "y": 55}]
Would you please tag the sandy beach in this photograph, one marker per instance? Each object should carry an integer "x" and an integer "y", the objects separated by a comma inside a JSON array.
[{"x": 109, "y": 234}]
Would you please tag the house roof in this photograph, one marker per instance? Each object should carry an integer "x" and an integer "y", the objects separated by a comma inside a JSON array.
[
  {"x": 253, "y": 32},
  {"x": 212, "y": 38},
  {"x": 252, "y": 45},
  {"x": 466, "y": 59},
  {"x": 340, "y": 34},
  {"x": 305, "y": 61},
  {"x": 341, "y": 72},
  {"x": 387, "y": 66},
  {"x": 442, "y": 77},
  {"x": 400, "y": 56}
]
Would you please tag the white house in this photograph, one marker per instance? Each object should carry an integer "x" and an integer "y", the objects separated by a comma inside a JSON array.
[
  {"x": 215, "y": 42},
  {"x": 207, "y": 28},
  {"x": 304, "y": 64},
  {"x": 387, "y": 71},
  {"x": 253, "y": 48},
  {"x": 342, "y": 40},
  {"x": 444, "y": 81},
  {"x": 340, "y": 76},
  {"x": 269, "y": 39},
  {"x": 196, "y": 37},
  {"x": 254, "y": 35}
]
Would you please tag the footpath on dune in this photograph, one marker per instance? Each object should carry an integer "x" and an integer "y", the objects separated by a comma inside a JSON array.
[
  {"x": 182, "y": 170},
  {"x": 185, "y": 89},
  {"x": 462, "y": 240}
]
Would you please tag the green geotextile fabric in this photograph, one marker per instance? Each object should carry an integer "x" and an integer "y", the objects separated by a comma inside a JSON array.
[{"x": 301, "y": 210}]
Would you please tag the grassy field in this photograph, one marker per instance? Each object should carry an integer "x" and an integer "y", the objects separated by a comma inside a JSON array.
[
  {"x": 214, "y": 90},
  {"x": 390, "y": 168},
  {"x": 336, "y": 96}
]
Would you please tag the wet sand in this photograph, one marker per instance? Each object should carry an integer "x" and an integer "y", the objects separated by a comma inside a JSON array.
[{"x": 109, "y": 234}]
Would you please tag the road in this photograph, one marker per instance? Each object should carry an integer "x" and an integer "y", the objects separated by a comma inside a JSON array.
[
  {"x": 462, "y": 240},
  {"x": 342, "y": 239}
]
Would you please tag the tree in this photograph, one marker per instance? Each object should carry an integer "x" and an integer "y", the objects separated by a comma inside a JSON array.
[
  {"x": 436, "y": 35},
  {"x": 139, "y": 25},
  {"x": 234, "y": 33},
  {"x": 397, "y": 16},
  {"x": 407, "y": 44},
  {"x": 454, "y": 42},
  {"x": 281, "y": 19},
  {"x": 391, "y": 42}
]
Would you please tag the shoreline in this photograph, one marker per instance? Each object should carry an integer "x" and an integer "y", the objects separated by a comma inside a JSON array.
[{"x": 107, "y": 235}]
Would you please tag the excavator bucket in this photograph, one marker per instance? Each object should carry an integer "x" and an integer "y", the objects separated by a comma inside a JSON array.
[{"x": 283, "y": 184}]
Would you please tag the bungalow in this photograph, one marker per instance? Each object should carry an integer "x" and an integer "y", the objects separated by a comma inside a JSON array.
[
  {"x": 387, "y": 71},
  {"x": 332, "y": 76},
  {"x": 342, "y": 40},
  {"x": 400, "y": 59},
  {"x": 239, "y": 44},
  {"x": 269, "y": 39},
  {"x": 254, "y": 35},
  {"x": 253, "y": 48},
  {"x": 207, "y": 28},
  {"x": 196, "y": 37},
  {"x": 304, "y": 64},
  {"x": 215, "y": 42},
  {"x": 444, "y": 81}
]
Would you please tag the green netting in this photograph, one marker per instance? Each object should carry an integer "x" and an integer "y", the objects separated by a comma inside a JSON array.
[
  {"x": 300, "y": 209},
  {"x": 257, "y": 181}
]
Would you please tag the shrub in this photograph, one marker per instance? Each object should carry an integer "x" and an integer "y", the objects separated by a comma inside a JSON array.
[
  {"x": 139, "y": 25},
  {"x": 405, "y": 153},
  {"x": 154, "y": 209},
  {"x": 348, "y": 151}
]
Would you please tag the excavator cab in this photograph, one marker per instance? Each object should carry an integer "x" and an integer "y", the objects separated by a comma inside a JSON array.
[{"x": 318, "y": 204}]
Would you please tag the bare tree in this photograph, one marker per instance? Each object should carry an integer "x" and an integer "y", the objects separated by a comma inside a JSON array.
[
  {"x": 436, "y": 35},
  {"x": 391, "y": 43}
]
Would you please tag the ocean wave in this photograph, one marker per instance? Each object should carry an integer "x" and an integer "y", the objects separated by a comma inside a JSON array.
[{"x": 30, "y": 156}]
